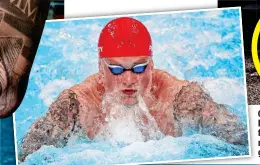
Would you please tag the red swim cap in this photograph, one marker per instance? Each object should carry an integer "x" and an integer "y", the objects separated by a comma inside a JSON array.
[{"x": 124, "y": 37}]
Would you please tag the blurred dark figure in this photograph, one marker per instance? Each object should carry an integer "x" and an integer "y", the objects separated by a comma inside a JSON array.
[
  {"x": 56, "y": 9},
  {"x": 21, "y": 25},
  {"x": 250, "y": 17}
]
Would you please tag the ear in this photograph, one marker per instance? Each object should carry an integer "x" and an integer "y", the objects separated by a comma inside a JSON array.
[
  {"x": 152, "y": 64},
  {"x": 101, "y": 71},
  {"x": 100, "y": 67}
]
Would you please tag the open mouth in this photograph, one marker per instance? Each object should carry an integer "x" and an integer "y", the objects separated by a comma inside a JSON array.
[{"x": 129, "y": 91}]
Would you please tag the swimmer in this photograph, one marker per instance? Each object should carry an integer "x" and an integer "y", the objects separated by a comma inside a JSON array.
[{"x": 128, "y": 86}]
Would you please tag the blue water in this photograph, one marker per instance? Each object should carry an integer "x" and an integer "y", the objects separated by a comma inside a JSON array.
[
  {"x": 197, "y": 46},
  {"x": 7, "y": 148},
  {"x": 168, "y": 148}
]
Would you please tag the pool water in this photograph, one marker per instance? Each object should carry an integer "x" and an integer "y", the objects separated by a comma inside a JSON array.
[
  {"x": 7, "y": 149},
  {"x": 169, "y": 148}
]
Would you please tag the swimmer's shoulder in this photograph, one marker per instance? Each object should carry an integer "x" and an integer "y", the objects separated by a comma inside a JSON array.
[
  {"x": 166, "y": 86},
  {"x": 90, "y": 84},
  {"x": 163, "y": 78},
  {"x": 90, "y": 90}
]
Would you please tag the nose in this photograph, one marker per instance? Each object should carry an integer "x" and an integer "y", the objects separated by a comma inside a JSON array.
[{"x": 129, "y": 78}]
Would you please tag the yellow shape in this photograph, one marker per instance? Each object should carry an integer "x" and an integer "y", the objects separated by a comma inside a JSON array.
[{"x": 254, "y": 47}]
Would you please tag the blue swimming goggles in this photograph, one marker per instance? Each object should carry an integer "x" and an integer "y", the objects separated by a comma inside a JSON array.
[{"x": 117, "y": 69}]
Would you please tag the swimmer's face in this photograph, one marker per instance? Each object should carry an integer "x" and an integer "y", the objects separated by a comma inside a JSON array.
[{"x": 126, "y": 84}]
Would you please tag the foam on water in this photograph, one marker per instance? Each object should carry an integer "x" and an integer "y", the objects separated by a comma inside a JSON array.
[
  {"x": 127, "y": 124},
  {"x": 167, "y": 148}
]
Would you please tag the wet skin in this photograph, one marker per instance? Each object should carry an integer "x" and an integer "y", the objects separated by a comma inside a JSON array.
[
  {"x": 127, "y": 85},
  {"x": 155, "y": 91}
]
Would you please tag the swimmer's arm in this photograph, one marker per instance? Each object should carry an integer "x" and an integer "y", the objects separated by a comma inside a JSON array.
[
  {"x": 217, "y": 121},
  {"x": 55, "y": 128},
  {"x": 193, "y": 104}
]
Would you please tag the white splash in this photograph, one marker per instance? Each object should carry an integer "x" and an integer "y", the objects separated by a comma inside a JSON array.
[
  {"x": 50, "y": 91},
  {"x": 129, "y": 124}
]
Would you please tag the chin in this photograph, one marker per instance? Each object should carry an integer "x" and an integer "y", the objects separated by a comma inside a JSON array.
[{"x": 129, "y": 101}]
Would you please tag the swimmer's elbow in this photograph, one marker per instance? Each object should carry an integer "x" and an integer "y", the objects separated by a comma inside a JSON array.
[
  {"x": 231, "y": 132},
  {"x": 238, "y": 135},
  {"x": 240, "y": 139}
]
